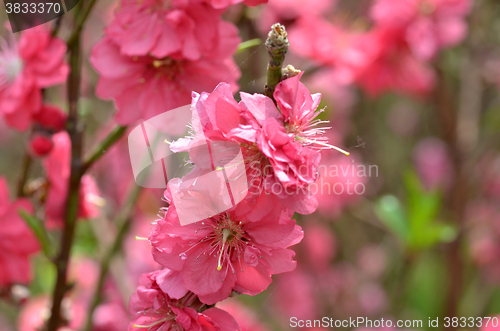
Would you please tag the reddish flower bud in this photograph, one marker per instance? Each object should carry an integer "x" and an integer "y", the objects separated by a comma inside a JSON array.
[
  {"x": 50, "y": 117},
  {"x": 41, "y": 144}
]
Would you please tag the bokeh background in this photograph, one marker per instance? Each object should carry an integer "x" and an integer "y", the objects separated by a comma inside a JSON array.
[{"x": 419, "y": 110}]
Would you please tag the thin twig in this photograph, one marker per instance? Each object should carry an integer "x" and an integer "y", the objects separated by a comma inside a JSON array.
[
  {"x": 100, "y": 149},
  {"x": 56, "y": 26},
  {"x": 75, "y": 35}
]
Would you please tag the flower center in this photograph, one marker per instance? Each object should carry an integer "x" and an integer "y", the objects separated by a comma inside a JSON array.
[
  {"x": 167, "y": 67},
  {"x": 229, "y": 237},
  {"x": 11, "y": 63},
  {"x": 226, "y": 238}
]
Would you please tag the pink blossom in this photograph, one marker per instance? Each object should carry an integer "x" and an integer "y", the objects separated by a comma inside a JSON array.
[
  {"x": 392, "y": 66},
  {"x": 289, "y": 10},
  {"x": 378, "y": 60},
  {"x": 326, "y": 40},
  {"x": 17, "y": 242},
  {"x": 186, "y": 49},
  {"x": 428, "y": 25},
  {"x": 238, "y": 250},
  {"x": 182, "y": 29},
  {"x": 332, "y": 45},
  {"x": 281, "y": 148},
  {"x": 36, "y": 61},
  {"x": 57, "y": 169},
  {"x": 154, "y": 310}
]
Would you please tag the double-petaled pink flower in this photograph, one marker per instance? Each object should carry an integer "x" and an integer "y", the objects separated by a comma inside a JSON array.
[
  {"x": 34, "y": 62},
  {"x": 154, "y": 55},
  {"x": 17, "y": 242},
  {"x": 237, "y": 250},
  {"x": 154, "y": 310},
  {"x": 280, "y": 144}
]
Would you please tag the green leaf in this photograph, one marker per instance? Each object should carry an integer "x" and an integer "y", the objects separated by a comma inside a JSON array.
[
  {"x": 422, "y": 209},
  {"x": 426, "y": 288},
  {"x": 45, "y": 272},
  {"x": 40, "y": 232},
  {"x": 248, "y": 44},
  {"x": 391, "y": 213},
  {"x": 85, "y": 242}
]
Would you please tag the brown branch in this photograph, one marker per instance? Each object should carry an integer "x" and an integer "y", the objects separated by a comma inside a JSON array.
[
  {"x": 26, "y": 166},
  {"x": 457, "y": 198},
  {"x": 74, "y": 129}
]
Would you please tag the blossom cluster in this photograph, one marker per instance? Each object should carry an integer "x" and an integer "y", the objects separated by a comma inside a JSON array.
[
  {"x": 395, "y": 53},
  {"x": 152, "y": 56},
  {"x": 154, "y": 53},
  {"x": 238, "y": 250},
  {"x": 27, "y": 66}
]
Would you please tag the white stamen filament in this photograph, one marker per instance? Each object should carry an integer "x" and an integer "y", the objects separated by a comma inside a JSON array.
[
  {"x": 11, "y": 63},
  {"x": 316, "y": 142},
  {"x": 225, "y": 234}
]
